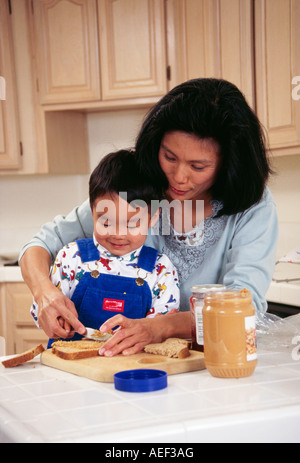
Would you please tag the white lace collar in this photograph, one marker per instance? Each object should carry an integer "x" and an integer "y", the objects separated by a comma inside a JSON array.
[{"x": 195, "y": 236}]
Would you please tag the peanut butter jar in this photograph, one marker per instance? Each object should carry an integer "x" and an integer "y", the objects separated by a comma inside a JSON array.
[{"x": 230, "y": 349}]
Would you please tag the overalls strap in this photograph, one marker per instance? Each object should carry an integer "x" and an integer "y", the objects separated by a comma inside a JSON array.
[
  {"x": 87, "y": 249},
  {"x": 147, "y": 258},
  {"x": 89, "y": 253}
]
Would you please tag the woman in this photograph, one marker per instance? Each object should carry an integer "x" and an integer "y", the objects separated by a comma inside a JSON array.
[{"x": 206, "y": 146}]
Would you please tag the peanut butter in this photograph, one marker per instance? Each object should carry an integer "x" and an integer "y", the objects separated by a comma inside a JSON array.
[{"x": 229, "y": 334}]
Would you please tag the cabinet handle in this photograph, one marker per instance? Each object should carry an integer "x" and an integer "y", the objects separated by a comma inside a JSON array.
[{"x": 168, "y": 72}]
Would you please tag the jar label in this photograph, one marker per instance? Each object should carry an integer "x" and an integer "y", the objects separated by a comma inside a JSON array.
[
  {"x": 250, "y": 332},
  {"x": 199, "y": 323}
]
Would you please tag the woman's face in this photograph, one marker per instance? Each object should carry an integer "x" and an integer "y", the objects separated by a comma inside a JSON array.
[{"x": 191, "y": 165}]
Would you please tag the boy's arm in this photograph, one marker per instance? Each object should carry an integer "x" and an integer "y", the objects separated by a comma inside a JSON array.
[
  {"x": 133, "y": 335},
  {"x": 165, "y": 293}
]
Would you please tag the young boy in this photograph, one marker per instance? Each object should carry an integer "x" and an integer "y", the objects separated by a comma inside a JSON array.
[{"x": 114, "y": 272}]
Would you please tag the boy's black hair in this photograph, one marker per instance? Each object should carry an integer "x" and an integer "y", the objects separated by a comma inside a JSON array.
[
  {"x": 118, "y": 172},
  {"x": 215, "y": 109}
]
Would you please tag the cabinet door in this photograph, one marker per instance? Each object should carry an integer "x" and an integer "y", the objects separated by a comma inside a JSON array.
[
  {"x": 10, "y": 157},
  {"x": 277, "y": 32},
  {"x": 132, "y": 48},
  {"x": 66, "y": 41},
  {"x": 212, "y": 38}
]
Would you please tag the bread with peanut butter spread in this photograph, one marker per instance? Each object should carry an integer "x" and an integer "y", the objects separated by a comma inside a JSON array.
[
  {"x": 73, "y": 350},
  {"x": 172, "y": 347}
]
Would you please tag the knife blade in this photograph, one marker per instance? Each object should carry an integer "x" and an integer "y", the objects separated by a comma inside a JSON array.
[{"x": 97, "y": 335}]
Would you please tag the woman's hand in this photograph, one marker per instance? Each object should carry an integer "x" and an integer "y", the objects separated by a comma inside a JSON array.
[
  {"x": 57, "y": 314},
  {"x": 130, "y": 338}
]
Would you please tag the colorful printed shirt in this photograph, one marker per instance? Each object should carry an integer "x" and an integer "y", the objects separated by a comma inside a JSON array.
[{"x": 68, "y": 269}]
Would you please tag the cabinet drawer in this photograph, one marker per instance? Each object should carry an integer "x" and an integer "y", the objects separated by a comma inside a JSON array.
[
  {"x": 18, "y": 303},
  {"x": 26, "y": 339}
]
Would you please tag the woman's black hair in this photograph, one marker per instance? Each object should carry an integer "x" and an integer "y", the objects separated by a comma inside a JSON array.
[
  {"x": 119, "y": 172},
  {"x": 215, "y": 109}
]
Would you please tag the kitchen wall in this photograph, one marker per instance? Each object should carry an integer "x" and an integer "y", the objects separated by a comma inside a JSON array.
[
  {"x": 285, "y": 186},
  {"x": 26, "y": 202}
]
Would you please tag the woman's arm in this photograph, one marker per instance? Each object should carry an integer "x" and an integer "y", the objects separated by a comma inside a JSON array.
[
  {"x": 250, "y": 260},
  {"x": 57, "y": 314},
  {"x": 54, "y": 235},
  {"x": 134, "y": 335},
  {"x": 35, "y": 268}
]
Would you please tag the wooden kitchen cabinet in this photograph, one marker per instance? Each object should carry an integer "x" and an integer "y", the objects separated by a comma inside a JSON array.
[
  {"x": 277, "y": 61},
  {"x": 66, "y": 46},
  {"x": 212, "y": 39},
  {"x": 71, "y": 37},
  {"x": 16, "y": 323},
  {"x": 62, "y": 141},
  {"x": 101, "y": 55},
  {"x": 132, "y": 48},
  {"x": 10, "y": 147},
  {"x": 52, "y": 142},
  {"x": 252, "y": 43},
  {"x": 67, "y": 39}
]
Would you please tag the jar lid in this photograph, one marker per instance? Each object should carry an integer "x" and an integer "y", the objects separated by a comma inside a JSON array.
[
  {"x": 206, "y": 288},
  {"x": 142, "y": 380},
  {"x": 233, "y": 295}
]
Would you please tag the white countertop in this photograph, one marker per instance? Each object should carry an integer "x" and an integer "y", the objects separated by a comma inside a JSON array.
[
  {"x": 282, "y": 291},
  {"x": 10, "y": 274},
  {"x": 41, "y": 404},
  {"x": 287, "y": 293}
]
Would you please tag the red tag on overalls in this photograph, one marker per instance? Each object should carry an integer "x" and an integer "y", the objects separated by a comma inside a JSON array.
[{"x": 113, "y": 305}]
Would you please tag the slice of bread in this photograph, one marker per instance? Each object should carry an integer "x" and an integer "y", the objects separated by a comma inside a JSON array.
[
  {"x": 24, "y": 357},
  {"x": 73, "y": 350},
  {"x": 172, "y": 347}
]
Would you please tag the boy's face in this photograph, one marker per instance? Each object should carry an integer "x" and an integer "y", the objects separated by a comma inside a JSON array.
[{"x": 119, "y": 227}]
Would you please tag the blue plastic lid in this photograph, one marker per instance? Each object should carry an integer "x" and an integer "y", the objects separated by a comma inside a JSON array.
[{"x": 141, "y": 380}]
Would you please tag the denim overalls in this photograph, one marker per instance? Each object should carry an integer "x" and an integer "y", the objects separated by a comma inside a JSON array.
[{"x": 100, "y": 296}]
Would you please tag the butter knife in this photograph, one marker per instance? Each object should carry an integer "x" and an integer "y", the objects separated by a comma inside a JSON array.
[{"x": 97, "y": 335}]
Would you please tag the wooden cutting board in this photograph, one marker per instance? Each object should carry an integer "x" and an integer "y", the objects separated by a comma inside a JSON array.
[{"x": 103, "y": 369}]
